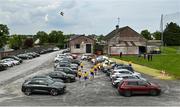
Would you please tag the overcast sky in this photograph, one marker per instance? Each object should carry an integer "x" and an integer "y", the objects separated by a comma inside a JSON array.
[{"x": 85, "y": 16}]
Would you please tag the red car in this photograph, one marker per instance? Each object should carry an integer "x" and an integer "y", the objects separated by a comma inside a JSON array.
[{"x": 129, "y": 87}]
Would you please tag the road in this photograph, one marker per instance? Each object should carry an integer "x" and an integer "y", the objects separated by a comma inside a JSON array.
[{"x": 98, "y": 92}]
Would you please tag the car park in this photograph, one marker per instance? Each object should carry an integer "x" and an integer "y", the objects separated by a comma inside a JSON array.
[
  {"x": 43, "y": 85},
  {"x": 129, "y": 87}
]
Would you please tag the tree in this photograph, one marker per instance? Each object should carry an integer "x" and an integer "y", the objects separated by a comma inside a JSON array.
[
  {"x": 4, "y": 32},
  {"x": 100, "y": 38},
  {"x": 42, "y": 36},
  {"x": 172, "y": 34},
  {"x": 28, "y": 43},
  {"x": 157, "y": 35},
  {"x": 16, "y": 41},
  {"x": 146, "y": 34},
  {"x": 56, "y": 36}
]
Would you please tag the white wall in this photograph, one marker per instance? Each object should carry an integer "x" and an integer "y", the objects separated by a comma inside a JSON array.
[{"x": 124, "y": 50}]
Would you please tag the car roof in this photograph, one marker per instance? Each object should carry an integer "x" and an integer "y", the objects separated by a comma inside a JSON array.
[
  {"x": 131, "y": 80},
  {"x": 122, "y": 70}
]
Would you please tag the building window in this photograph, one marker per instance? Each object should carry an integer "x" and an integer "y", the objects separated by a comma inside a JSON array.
[{"x": 77, "y": 46}]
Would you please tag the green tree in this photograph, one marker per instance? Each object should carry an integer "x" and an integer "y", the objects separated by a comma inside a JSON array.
[
  {"x": 172, "y": 34},
  {"x": 16, "y": 41},
  {"x": 100, "y": 38},
  {"x": 146, "y": 34},
  {"x": 4, "y": 32},
  {"x": 157, "y": 35},
  {"x": 58, "y": 38},
  {"x": 28, "y": 43},
  {"x": 42, "y": 36}
]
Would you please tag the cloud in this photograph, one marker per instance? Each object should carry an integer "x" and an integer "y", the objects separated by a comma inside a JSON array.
[{"x": 83, "y": 16}]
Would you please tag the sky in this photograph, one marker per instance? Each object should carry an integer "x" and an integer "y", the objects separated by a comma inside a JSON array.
[{"x": 86, "y": 16}]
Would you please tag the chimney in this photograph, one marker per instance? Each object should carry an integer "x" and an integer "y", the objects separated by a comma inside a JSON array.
[{"x": 117, "y": 27}]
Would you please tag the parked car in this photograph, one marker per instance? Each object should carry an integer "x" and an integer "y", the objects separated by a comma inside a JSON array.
[
  {"x": 124, "y": 67},
  {"x": 8, "y": 63},
  {"x": 130, "y": 87},
  {"x": 14, "y": 57},
  {"x": 119, "y": 72},
  {"x": 2, "y": 66},
  {"x": 24, "y": 56},
  {"x": 15, "y": 62},
  {"x": 116, "y": 81},
  {"x": 61, "y": 75},
  {"x": 67, "y": 70},
  {"x": 74, "y": 56},
  {"x": 47, "y": 77},
  {"x": 43, "y": 85}
]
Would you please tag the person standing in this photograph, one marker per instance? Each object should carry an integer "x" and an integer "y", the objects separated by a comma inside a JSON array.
[
  {"x": 95, "y": 69},
  {"x": 92, "y": 73},
  {"x": 85, "y": 75},
  {"x": 120, "y": 54},
  {"x": 151, "y": 57},
  {"x": 79, "y": 75},
  {"x": 144, "y": 55},
  {"x": 81, "y": 65},
  {"x": 130, "y": 63},
  {"x": 148, "y": 57}
]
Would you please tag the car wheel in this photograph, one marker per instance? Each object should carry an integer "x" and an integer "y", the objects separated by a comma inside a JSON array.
[
  {"x": 54, "y": 92},
  {"x": 27, "y": 91},
  {"x": 153, "y": 92},
  {"x": 127, "y": 93}
]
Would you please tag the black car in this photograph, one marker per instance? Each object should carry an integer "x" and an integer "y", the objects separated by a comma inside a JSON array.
[
  {"x": 43, "y": 85},
  {"x": 3, "y": 67},
  {"x": 24, "y": 56},
  {"x": 47, "y": 77},
  {"x": 61, "y": 75},
  {"x": 67, "y": 70}
]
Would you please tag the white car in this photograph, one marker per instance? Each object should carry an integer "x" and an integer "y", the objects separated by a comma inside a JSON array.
[
  {"x": 120, "y": 72},
  {"x": 84, "y": 57},
  {"x": 116, "y": 81},
  {"x": 8, "y": 63},
  {"x": 15, "y": 62}
]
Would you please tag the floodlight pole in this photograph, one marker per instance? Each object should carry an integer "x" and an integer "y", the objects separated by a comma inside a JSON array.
[{"x": 162, "y": 31}]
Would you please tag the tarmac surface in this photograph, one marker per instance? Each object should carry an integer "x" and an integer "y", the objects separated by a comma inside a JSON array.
[{"x": 98, "y": 92}]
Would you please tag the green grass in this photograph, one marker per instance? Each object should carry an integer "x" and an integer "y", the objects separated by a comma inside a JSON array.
[{"x": 169, "y": 61}]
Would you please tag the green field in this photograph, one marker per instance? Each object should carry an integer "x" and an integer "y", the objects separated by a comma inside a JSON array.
[{"x": 169, "y": 61}]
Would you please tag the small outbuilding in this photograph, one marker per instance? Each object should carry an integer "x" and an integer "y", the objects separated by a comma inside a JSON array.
[{"x": 81, "y": 44}]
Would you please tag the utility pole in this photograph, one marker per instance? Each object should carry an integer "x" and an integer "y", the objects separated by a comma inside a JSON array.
[
  {"x": 118, "y": 21},
  {"x": 162, "y": 31}
]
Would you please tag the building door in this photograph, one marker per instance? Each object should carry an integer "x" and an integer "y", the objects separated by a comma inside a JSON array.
[
  {"x": 88, "y": 48},
  {"x": 142, "y": 49}
]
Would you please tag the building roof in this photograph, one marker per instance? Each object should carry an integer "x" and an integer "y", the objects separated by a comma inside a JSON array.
[
  {"x": 77, "y": 36},
  {"x": 118, "y": 30}
]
